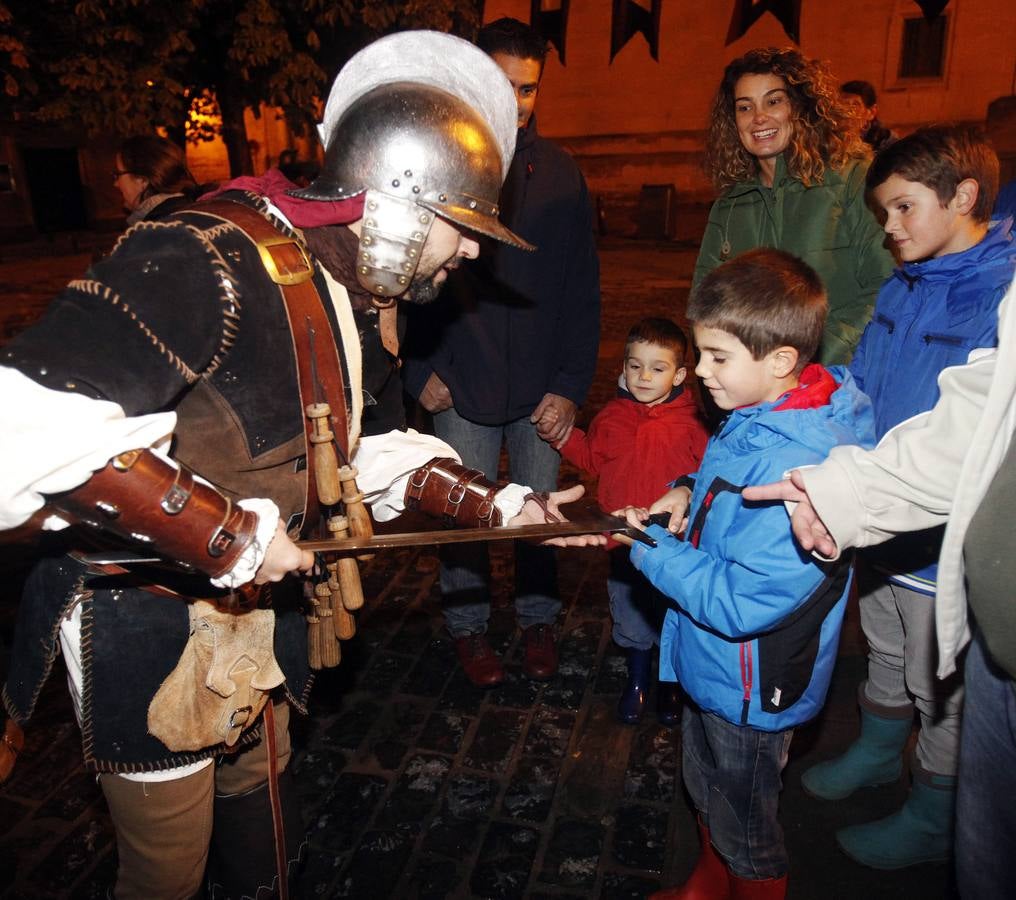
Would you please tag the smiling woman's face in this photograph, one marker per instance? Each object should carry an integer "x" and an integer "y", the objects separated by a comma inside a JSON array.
[{"x": 763, "y": 114}]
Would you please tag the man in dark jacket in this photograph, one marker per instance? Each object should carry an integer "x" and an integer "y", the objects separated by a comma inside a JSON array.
[
  {"x": 860, "y": 96},
  {"x": 509, "y": 357}
]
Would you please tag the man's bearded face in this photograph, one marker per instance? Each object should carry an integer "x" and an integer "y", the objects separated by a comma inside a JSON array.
[{"x": 445, "y": 247}]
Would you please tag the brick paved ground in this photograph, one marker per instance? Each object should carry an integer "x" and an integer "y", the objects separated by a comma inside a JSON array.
[{"x": 416, "y": 785}]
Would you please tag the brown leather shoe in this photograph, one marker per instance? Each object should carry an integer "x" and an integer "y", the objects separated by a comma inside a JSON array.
[
  {"x": 479, "y": 661},
  {"x": 11, "y": 744},
  {"x": 540, "y": 659}
]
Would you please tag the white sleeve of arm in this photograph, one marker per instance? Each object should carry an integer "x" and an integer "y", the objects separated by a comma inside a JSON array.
[
  {"x": 908, "y": 481},
  {"x": 54, "y": 441},
  {"x": 385, "y": 462}
]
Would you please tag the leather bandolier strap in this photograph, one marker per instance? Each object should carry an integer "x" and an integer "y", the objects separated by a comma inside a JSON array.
[
  {"x": 143, "y": 498},
  {"x": 315, "y": 346},
  {"x": 459, "y": 495}
]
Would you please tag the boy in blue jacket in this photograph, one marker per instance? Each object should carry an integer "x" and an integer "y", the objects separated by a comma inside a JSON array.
[
  {"x": 753, "y": 633},
  {"x": 935, "y": 190}
]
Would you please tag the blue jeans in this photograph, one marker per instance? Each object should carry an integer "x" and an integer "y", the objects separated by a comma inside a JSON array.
[
  {"x": 465, "y": 568},
  {"x": 986, "y": 782},
  {"x": 636, "y": 607},
  {"x": 734, "y": 776}
]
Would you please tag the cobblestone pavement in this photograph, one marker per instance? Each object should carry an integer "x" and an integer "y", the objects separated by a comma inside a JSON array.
[{"x": 416, "y": 785}]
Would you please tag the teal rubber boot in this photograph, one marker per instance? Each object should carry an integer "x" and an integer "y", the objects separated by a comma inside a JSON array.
[
  {"x": 920, "y": 832},
  {"x": 874, "y": 758}
]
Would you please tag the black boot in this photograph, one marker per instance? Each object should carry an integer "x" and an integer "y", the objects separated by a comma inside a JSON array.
[
  {"x": 633, "y": 697},
  {"x": 242, "y": 861},
  {"x": 668, "y": 703}
]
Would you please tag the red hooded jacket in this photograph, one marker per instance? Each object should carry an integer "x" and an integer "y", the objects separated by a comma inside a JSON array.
[{"x": 636, "y": 450}]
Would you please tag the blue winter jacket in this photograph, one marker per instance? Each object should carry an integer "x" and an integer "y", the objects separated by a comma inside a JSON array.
[
  {"x": 928, "y": 316},
  {"x": 753, "y": 633}
]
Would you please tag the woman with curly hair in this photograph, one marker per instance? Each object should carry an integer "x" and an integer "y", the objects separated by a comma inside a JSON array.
[{"x": 789, "y": 168}]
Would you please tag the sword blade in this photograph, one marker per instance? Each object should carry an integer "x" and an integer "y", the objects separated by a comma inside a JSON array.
[{"x": 601, "y": 525}]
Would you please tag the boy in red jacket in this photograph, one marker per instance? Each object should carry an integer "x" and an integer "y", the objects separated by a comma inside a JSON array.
[{"x": 637, "y": 445}]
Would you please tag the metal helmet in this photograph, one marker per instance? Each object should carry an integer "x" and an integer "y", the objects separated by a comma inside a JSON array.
[
  {"x": 416, "y": 151},
  {"x": 423, "y": 124}
]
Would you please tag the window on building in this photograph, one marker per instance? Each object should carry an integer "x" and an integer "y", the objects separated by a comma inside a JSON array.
[{"x": 922, "y": 54}]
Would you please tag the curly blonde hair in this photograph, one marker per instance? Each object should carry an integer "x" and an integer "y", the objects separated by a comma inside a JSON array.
[{"x": 823, "y": 135}]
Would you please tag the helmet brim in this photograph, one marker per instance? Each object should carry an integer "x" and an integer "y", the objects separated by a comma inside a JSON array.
[
  {"x": 481, "y": 223},
  {"x": 324, "y": 188}
]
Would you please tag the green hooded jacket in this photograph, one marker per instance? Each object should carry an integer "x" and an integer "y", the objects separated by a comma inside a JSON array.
[{"x": 827, "y": 225}]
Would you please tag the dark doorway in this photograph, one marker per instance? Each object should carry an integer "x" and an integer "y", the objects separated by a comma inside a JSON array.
[{"x": 54, "y": 184}]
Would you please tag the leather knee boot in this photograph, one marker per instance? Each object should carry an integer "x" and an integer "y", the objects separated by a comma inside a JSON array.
[{"x": 243, "y": 852}]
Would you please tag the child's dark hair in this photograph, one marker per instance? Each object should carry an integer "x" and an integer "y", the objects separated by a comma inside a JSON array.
[
  {"x": 661, "y": 332},
  {"x": 766, "y": 298},
  {"x": 513, "y": 38},
  {"x": 940, "y": 157}
]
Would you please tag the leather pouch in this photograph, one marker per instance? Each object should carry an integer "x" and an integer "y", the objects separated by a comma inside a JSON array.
[{"x": 221, "y": 683}]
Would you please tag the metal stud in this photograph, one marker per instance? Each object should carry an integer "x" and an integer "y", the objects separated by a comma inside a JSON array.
[
  {"x": 416, "y": 189},
  {"x": 379, "y": 289},
  {"x": 443, "y": 198},
  {"x": 403, "y": 279},
  {"x": 411, "y": 253},
  {"x": 472, "y": 204},
  {"x": 372, "y": 205},
  {"x": 364, "y": 270},
  {"x": 395, "y": 182},
  {"x": 408, "y": 173},
  {"x": 424, "y": 219}
]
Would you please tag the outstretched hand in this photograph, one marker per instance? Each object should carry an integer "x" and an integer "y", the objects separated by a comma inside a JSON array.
[
  {"x": 808, "y": 528},
  {"x": 283, "y": 557},
  {"x": 532, "y": 514}
]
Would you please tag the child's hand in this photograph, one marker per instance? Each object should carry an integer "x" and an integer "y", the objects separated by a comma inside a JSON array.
[
  {"x": 635, "y": 516},
  {"x": 554, "y": 418},
  {"x": 675, "y": 502}
]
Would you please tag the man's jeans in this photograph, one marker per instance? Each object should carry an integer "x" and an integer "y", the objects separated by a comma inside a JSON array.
[
  {"x": 734, "y": 776},
  {"x": 465, "y": 568},
  {"x": 986, "y": 783},
  {"x": 636, "y": 607}
]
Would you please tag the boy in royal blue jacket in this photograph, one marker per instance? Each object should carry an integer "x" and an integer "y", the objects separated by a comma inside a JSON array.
[
  {"x": 753, "y": 631},
  {"x": 935, "y": 189}
]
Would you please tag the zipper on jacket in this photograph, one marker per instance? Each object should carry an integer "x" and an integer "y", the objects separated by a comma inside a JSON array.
[
  {"x": 890, "y": 325},
  {"x": 746, "y": 679},
  {"x": 953, "y": 340}
]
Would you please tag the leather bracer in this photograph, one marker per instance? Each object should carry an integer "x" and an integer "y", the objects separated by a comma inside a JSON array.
[
  {"x": 144, "y": 498},
  {"x": 460, "y": 496}
]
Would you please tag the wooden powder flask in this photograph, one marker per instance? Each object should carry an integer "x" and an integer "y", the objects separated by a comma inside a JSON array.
[
  {"x": 347, "y": 573},
  {"x": 328, "y": 642},
  {"x": 360, "y": 524},
  {"x": 326, "y": 463}
]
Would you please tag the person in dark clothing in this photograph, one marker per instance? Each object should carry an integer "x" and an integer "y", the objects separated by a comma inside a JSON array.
[
  {"x": 152, "y": 176},
  {"x": 507, "y": 358},
  {"x": 861, "y": 98}
]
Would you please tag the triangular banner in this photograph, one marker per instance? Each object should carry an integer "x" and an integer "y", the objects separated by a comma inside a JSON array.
[
  {"x": 748, "y": 12},
  {"x": 932, "y": 9},
  {"x": 629, "y": 19},
  {"x": 551, "y": 23}
]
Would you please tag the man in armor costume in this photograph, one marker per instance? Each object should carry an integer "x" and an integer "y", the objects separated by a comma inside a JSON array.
[{"x": 184, "y": 352}]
